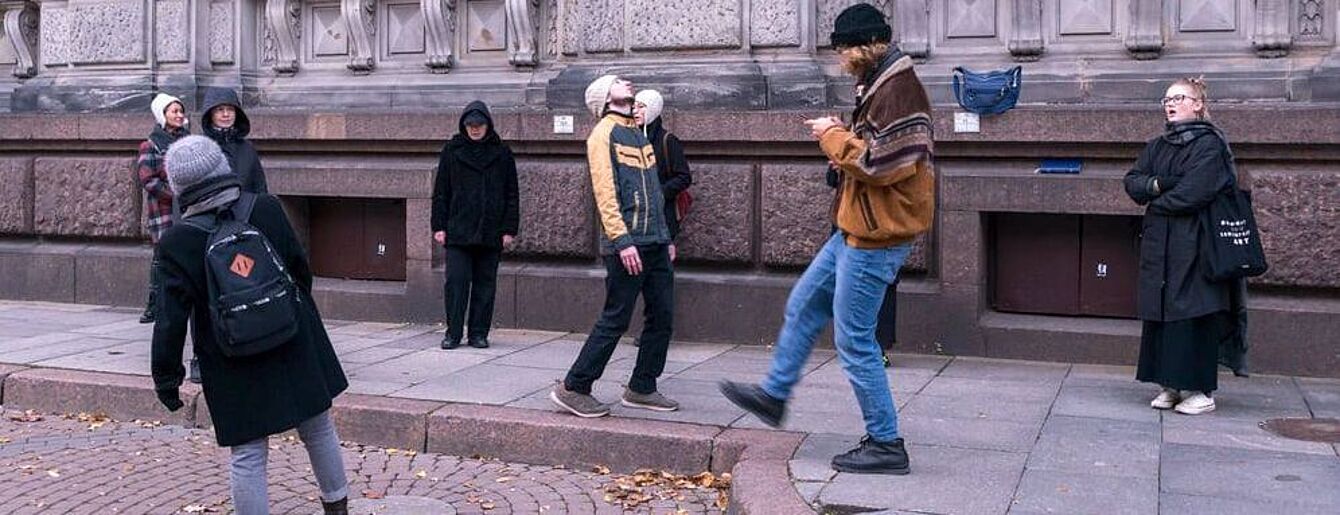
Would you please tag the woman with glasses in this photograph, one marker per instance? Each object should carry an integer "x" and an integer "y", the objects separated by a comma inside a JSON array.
[{"x": 1186, "y": 315}]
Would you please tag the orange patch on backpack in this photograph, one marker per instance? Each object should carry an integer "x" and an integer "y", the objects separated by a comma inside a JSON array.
[{"x": 242, "y": 265}]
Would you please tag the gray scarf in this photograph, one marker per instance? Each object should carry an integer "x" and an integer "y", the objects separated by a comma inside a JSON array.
[{"x": 215, "y": 201}]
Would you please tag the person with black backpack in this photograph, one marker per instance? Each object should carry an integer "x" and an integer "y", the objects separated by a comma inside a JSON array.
[
  {"x": 671, "y": 165},
  {"x": 235, "y": 270}
]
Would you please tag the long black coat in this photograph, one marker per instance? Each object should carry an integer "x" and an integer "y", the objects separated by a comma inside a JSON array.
[
  {"x": 1190, "y": 163},
  {"x": 673, "y": 169},
  {"x": 475, "y": 197},
  {"x": 242, "y": 156},
  {"x": 257, "y": 396}
]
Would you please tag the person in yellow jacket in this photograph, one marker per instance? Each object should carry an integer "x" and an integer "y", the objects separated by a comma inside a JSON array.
[
  {"x": 634, "y": 245},
  {"x": 886, "y": 197}
]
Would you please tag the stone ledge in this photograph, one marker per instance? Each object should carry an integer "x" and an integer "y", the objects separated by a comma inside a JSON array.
[
  {"x": 735, "y": 445},
  {"x": 542, "y": 437},
  {"x": 5, "y": 371},
  {"x": 119, "y": 396},
  {"x": 763, "y": 487},
  {"x": 383, "y": 421}
]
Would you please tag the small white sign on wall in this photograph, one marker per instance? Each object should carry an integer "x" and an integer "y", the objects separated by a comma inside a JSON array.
[
  {"x": 967, "y": 122},
  {"x": 563, "y": 124}
]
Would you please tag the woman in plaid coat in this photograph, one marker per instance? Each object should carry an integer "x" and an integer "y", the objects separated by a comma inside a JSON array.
[{"x": 170, "y": 115}]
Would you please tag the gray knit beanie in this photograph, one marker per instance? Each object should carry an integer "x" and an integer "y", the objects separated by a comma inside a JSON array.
[{"x": 193, "y": 160}]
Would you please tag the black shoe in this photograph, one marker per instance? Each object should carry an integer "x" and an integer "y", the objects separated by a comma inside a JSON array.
[
  {"x": 340, "y": 507},
  {"x": 194, "y": 375},
  {"x": 479, "y": 343},
  {"x": 754, "y": 400},
  {"x": 871, "y": 457},
  {"x": 148, "y": 316},
  {"x": 449, "y": 343},
  {"x": 888, "y": 363}
]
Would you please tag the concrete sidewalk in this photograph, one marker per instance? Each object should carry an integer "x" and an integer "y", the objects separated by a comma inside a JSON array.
[{"x": 986, "y": 436}]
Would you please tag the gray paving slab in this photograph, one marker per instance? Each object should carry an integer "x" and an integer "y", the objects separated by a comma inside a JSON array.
[
  {"x": 482, "y": 384},
  {"x": 104, "y": 330},
  {"x": 556, "y": 355},
  {"x": 1259, "y": 407},
  {"x": 420, "y": 342},
  {"x": 366, "y": 329},
  {"x": 811, "y": 469},
  {"x": 905, "y": 380},
  {"x": 1047, "y": 491},
  {"x": 416, "y": 367},
  {"x": 1258, "y": 476},
  {"x": 809, "y": 421},
  {"x": 696, "y": 352},
  {"x": 1241, "y": 433},
  {"x": 1097, "y": 446},
  {"x": 943, "y": 480},
  {"x": 1016, "y": 391},
  {"x": 372, "y": 355},
  {"x": 1257, "y": 385},
  {"x": 346, "y": 344},
  {"x": 926, "y": 362},
  {"x": 1106, "y": 402},
  {"x": 623, "y": 367},
  {"x": 375, "y": 387},
  {"x": 123, "y": 358},
  {"x": 36, "y": 341},
  {"x": 1178, "y": 504},
  {"x": 1323, "y": 396},
  {"x": 1005, "y": 370},
  {"x": 1113, "y": 376},
  {"x": 699, "y": 403},
  {"x": 809, "y": 491},
  {"x": 979, "y": 408},
  {"x": 77, "y": 345},
  {"x": 967, "y": 433}
]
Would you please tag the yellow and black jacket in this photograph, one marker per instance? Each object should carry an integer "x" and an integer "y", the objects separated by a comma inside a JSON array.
[{"x": 626, "y": 185}]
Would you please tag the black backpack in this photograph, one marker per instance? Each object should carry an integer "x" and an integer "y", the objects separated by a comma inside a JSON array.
[{"x": 253, "y": 302}]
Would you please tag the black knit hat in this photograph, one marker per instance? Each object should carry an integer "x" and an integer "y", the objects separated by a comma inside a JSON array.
[{"x": 860, "y": 24}]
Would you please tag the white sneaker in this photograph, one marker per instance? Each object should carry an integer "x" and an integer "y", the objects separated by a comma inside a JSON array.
[
  {"x": 1166, "y": 399},
  {"x": 1195, "y": 404}
]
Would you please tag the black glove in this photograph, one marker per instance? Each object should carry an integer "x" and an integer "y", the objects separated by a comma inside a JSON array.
[{"x": 171, "y": 399}]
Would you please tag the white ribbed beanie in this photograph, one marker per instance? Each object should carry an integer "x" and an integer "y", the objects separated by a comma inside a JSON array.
[
  {"x": 598, "y": 94},
  {"x": 159, "y": 106},
  {"x": 654, "y": 102}
]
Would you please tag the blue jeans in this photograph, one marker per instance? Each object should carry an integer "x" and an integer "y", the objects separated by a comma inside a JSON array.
[
  {"x": 250, "y": 488},
  {"x": 846, "y": 285}
]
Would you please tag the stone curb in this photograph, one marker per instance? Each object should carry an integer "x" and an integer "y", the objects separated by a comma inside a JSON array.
[{"x": 757, "y": 459}]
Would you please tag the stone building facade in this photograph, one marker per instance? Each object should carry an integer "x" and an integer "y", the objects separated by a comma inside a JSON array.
[{"x": 351, "y": 99}]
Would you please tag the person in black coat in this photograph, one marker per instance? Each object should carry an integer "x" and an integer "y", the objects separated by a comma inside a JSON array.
[
  {"x": 253, "y": 397},
  {"x": 671, "y": 165},
  {"x": 1187, "y": 317},
  {"x": 476, "y": 213},
  {"x": 227, "y": 124}
]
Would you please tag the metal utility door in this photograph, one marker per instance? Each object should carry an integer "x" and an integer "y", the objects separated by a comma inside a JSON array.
[
  {"x": 1110, "y": 248},
  {"x": 1035, "y": 263},
  {"x": 358, "y": 238}
]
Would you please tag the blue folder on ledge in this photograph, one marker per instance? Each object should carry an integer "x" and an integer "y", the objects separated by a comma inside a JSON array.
[{"x": 1070, "y": 166}]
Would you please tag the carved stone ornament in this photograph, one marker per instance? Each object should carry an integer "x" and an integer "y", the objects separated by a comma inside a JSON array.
[
  {"x": 1272, "y": 38},
  {"x": 914, "y": 20},
  {"x": 1144, "y": 40},
  {"x": 1026, "y": 40},
  {"x": 521, "y": 40},
  {"x": 359, "y": 18},
  {"x": 21, "y": 31},
  {"x": 282, "y": 20},
  {"x": 439, "y": 17}
]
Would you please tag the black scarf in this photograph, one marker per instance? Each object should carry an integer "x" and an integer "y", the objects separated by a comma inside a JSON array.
[
  {"x": 1181, "y": 133},
  {"x": 163, "y": 138}
]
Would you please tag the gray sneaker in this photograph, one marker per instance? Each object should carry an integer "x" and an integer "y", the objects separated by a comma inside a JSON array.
[
  {"x": 579, "y": 404},
  {"x": 653, "y": 401}
]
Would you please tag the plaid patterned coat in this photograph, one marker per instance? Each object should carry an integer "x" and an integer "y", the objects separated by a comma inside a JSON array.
[{"x": 152, "y": 174}]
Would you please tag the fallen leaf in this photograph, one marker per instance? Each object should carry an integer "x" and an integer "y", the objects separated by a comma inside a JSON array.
[
  {"x": 53, "y": 473},
  {"x": 487, "y": 505},
  {"x": 4, "y": 440},
  {"x": 421, "y": 474},
  {"x": 601, "y": 469},
  {"x": 194, "y": 508},
  {"x": 27, "y": 416},
  {"x": 372, "y": 494},
  {"x": 503, "y": 479}
]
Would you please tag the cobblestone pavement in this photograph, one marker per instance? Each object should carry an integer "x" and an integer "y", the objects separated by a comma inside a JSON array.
[{"x": 62, "y": 464}]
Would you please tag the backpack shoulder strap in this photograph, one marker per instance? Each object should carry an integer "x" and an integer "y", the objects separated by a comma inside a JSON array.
[
  {"x": 242, "y": 208},
  {"x": 665, "y": 147}
]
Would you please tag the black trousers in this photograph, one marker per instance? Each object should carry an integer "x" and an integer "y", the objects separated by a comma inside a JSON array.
[
  {"x": 472, "y": 280},
  {"x": 1184, "y": 355},
  {"x": 656, "y": 284}
]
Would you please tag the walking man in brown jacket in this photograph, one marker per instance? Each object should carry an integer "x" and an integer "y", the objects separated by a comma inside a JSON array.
[{"x": 886, "y": 195}]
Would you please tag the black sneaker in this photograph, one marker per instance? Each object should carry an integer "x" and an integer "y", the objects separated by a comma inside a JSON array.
[
  {"x": 888, "y": 363},
  {"x": 150, "y": 312},
  {"x": 479, "y": 343},
  {"x": 754, "y": 400},
  {"x": 449, "y": 343},
  {"x": 871, "y": 457}
]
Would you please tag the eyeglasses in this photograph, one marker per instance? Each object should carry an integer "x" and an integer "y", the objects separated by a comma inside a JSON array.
[{"x": 1176, "y": 99}]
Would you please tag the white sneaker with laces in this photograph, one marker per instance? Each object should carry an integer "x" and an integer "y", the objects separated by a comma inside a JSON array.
[
  {"x": 1195, "y": 404},
  {"x": 1166, "y": 399}
]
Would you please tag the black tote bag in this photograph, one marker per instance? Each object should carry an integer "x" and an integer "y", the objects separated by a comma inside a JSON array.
[{"x": 1232, "y": 243}]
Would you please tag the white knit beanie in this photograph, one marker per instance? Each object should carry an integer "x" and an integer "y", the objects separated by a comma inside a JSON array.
[
  {"x": 192, "y": 160},
  {"x": 160, "y": 105},
  {"x": 598, "y": 94},
  {"x": 654, "y": 102}
]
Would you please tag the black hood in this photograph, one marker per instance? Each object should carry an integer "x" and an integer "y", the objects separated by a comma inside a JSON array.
[
  {"x": 215, "y": 97},
  {"x": 1181, "y": 133},
  {"x": 483, "y": 109}
]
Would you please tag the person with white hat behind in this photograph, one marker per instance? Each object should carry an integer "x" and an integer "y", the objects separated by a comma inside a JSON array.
[
  {"x": 634, "y": 245},
  {"x": 170, "y": 126},
  {"x": 671, "y": 164}
]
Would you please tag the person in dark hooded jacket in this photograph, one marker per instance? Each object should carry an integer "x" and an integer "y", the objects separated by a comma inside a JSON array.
[
  {"x": 476, "y": 213},
  {"x": 1187, "y": 316},
  {"x": 227, "y": 124},
  {"x": 249, "y": 397},
  {"x": 671, "y": 165}
]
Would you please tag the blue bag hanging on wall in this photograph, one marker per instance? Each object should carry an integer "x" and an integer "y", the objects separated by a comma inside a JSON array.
[{"x": 988, "y": 93}]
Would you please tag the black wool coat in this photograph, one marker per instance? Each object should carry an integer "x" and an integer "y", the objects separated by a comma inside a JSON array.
[
  {"x": 1190, "y": 164},
  {"x": 475, "y": 194},
  {"x": 242, "y": 156},
  {"x": 255, "y": 396},
  {"x": 673, "y": 169}
]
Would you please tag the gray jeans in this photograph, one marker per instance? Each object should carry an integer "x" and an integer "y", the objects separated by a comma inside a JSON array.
[{"x": 251, "y": 494}]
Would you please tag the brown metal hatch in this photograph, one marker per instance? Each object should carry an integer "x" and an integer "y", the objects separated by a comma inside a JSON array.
[
  {"x": 1064, "y": 264},
  {"x": 353, "y": 238}
]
